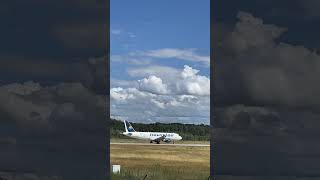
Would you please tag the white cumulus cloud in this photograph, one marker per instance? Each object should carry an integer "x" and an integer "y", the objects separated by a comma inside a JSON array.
[
  {"x": 182, "y": 97},
  {"x": 153, "y": 84},
  {"x": 192, "y": 83}
]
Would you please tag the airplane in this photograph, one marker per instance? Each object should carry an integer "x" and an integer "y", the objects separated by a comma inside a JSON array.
[{"x": 152, "y": 136}]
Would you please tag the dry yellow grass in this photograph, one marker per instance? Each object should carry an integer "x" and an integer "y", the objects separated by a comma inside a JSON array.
[
  {"x": 131, "y": 140},
  {"x": 161, "y": 162}
]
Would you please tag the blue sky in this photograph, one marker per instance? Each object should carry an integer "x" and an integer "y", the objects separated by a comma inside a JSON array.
[{"x": 161, "y": 37}]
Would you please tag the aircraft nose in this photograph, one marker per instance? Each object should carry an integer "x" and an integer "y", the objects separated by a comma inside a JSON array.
[{"x": 179, "y": 137}]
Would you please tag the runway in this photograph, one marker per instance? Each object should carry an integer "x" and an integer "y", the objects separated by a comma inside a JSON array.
[{"x": 154, "y": 144}]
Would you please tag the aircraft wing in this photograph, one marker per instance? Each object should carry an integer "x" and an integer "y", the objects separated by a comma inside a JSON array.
[{"x": 161, "y": 138}]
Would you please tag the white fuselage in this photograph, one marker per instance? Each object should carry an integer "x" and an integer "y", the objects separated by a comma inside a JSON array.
[{"x": 153, "y": 135}]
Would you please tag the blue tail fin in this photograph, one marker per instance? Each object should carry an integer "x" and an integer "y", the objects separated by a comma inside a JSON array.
[{"x": 128, "y": 127}]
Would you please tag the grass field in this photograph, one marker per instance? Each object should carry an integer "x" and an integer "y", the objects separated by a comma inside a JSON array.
[
  {"x": 160, "y": 162},
  {"x": 131, "y": 140}
]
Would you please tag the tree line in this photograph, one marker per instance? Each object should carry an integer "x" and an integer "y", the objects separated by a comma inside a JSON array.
[{"x": 192, "y": 132}]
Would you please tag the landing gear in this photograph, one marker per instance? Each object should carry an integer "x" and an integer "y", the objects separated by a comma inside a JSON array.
[
  {"x": 172, "y": 141},
  {"x": 158, "y": 142},
  {"x": 150, "y": 141}
]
